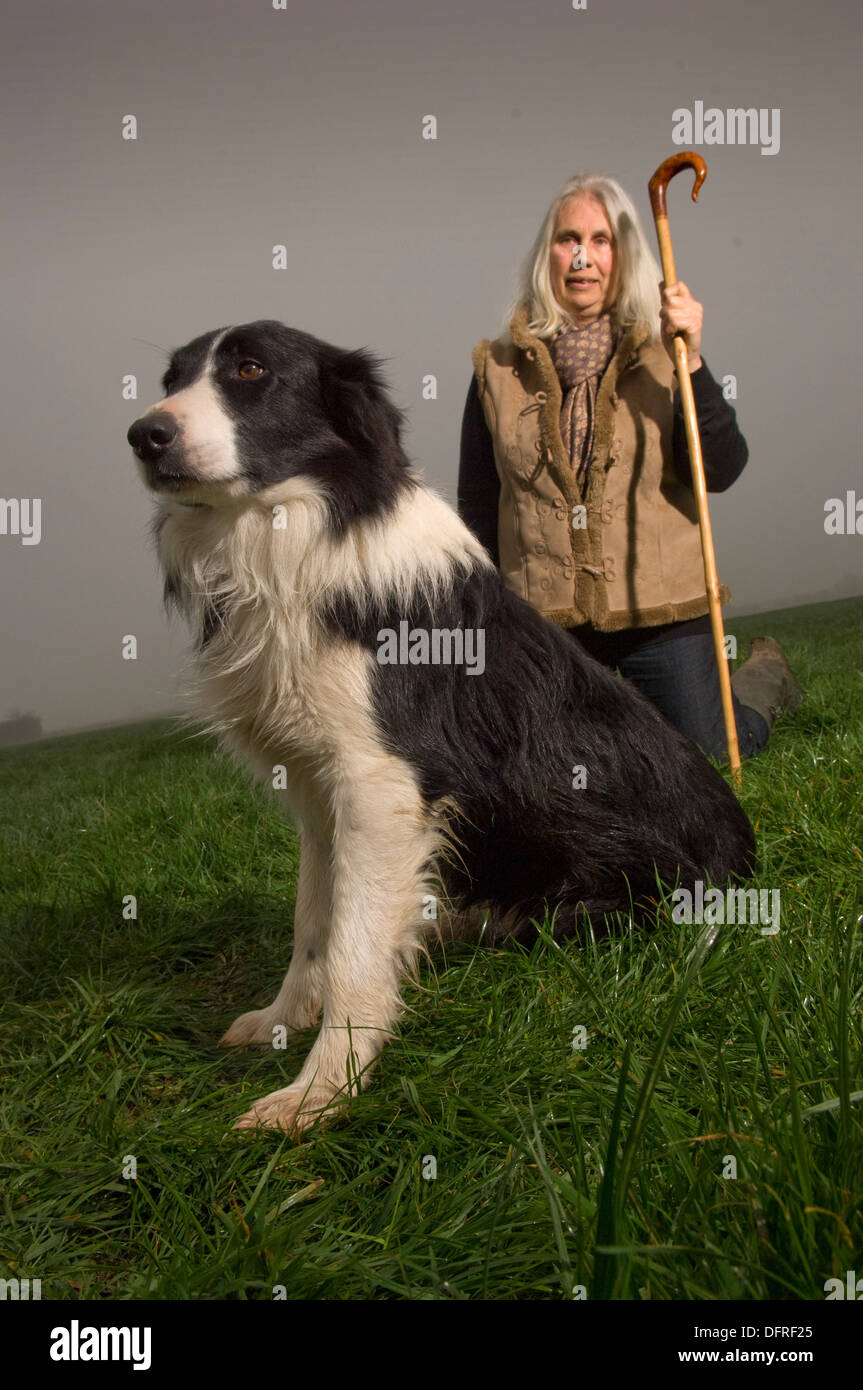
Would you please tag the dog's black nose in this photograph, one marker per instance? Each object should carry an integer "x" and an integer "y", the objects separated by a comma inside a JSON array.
[{"x": 152, "y": 435}]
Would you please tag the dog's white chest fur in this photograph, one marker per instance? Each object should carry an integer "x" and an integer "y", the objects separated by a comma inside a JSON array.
[{"x": 267, "y": 680}]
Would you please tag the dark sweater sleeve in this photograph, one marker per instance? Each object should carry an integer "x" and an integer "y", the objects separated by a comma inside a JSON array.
[
  {"x": 723, "y": 447},
  {"x": 478, "y": 481}
]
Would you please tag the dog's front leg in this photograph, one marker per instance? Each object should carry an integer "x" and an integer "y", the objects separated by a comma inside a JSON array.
[
  {"x": 382, "y": 844},
  {"x": 298, "y": 1002}
]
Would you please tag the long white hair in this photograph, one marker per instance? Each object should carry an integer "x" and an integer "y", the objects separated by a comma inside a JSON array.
[{"x": 638, "y": 274}]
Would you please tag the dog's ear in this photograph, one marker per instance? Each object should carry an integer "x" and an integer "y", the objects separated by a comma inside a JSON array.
[{"x": 356, "y": 403}]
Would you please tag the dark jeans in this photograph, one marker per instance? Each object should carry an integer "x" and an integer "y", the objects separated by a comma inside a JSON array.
[{"x": 679, "y": 676}]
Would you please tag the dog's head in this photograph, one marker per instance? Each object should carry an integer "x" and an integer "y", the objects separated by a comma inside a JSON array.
[{"x": 251, "y": 407}]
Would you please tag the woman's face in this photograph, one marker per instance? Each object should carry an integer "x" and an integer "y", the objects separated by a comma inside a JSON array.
[{"x": 587, "y": 292}]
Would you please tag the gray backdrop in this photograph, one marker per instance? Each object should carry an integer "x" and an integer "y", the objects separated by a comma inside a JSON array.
[{"x": 303, "y": 126}]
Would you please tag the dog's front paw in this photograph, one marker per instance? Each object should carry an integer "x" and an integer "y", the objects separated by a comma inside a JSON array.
[
  {"x": 258, "y": 1026},
  {"x": 292, "y": 1109}
]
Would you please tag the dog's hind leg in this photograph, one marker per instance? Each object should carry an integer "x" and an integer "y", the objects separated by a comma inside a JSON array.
[
  {"x": 383, "y": 842},
  {"x": 298, "y": 1002}
]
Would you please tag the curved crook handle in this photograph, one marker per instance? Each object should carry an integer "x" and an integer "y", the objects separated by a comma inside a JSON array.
[{"x": 687, "y": 159}]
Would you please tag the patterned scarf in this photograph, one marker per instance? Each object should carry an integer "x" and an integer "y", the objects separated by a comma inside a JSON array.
[{"x": 580, "y": 356}]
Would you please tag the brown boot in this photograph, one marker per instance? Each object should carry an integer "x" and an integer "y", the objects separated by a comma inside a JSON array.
[{"x": 765, "y": 681}]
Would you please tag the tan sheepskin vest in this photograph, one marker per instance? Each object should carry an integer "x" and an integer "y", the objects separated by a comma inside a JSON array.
[{"x": 633, "y": 556}]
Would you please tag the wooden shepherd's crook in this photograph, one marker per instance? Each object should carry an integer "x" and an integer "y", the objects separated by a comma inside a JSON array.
[{"x": 657, "y": 186}]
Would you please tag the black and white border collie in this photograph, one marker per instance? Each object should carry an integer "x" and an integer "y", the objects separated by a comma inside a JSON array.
[{"x": 297, "y": 542}]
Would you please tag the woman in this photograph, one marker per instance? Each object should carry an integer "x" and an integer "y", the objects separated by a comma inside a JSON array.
[{"x": 575, "y": 470}]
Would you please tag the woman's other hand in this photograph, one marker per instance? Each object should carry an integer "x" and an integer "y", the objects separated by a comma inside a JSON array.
[{"x": 680, "y": 313}]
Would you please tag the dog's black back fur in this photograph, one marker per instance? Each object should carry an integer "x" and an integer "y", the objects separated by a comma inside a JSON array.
[{"x": 504, "y": 746}]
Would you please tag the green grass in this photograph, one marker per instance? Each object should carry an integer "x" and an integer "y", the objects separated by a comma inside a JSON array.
[{"x": 600, "y": 1167}]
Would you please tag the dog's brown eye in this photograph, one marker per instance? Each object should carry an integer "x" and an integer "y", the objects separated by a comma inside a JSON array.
[{"x": 250, "y": 371}]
